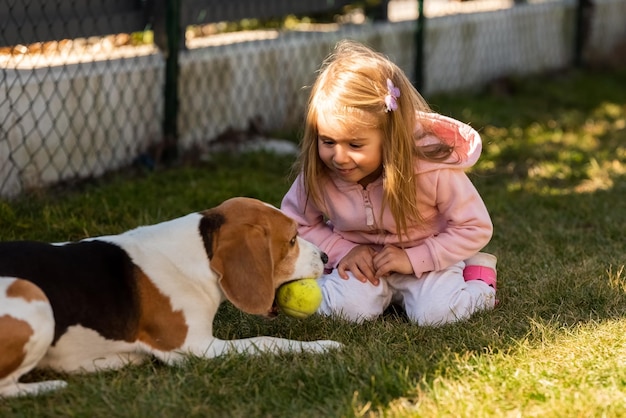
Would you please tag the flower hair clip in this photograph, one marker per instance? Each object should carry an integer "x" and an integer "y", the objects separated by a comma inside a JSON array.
[{"x": 393, "y": 93}]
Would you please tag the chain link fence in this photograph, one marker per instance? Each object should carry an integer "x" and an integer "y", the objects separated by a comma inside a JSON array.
[{"x": 90, "y": 88}]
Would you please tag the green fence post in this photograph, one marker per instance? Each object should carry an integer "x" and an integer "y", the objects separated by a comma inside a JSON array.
[
  {"x": 584, "y": 8},
  {"x": 170, "y": 115},
  {"x": 419, "y": 47}
]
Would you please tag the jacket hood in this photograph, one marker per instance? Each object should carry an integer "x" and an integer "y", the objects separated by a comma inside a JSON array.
[{"x": 465, "y": 140}]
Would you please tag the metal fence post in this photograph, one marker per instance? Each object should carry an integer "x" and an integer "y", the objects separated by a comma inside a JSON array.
[
  {"x": 584, "y": 8},
  {"x": 170, "y": 114},
  {"x": 419, "y": 47}
]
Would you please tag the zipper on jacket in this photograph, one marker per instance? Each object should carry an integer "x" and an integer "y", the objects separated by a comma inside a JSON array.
[{"x": 369, "y": 211}]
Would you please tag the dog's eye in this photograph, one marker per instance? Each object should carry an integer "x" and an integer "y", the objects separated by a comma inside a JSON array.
[{"x": 293, "y": 241}]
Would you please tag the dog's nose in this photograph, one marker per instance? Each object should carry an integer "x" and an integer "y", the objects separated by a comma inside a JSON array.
[{"x": 324, "y": 257}]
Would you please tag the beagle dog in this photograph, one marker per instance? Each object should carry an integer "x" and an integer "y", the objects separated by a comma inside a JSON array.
[{"x": 105, "y": 302}]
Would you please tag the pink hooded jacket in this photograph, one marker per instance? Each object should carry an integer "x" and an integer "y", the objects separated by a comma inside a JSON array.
[{"x": 457, "y": 224}]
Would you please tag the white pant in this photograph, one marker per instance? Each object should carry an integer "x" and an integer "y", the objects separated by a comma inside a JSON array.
[{"x": 434, "y": 298}]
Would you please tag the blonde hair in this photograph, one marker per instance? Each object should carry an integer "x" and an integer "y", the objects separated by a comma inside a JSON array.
[{"x": 352, "y": 84}]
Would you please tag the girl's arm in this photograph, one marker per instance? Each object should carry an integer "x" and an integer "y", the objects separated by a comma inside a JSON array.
[
  {"x": 312, "y": 224},
  {"x": 467, "y": 225}
]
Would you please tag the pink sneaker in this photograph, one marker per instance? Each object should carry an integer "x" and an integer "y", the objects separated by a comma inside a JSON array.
[{"x": 481, "y": 266}]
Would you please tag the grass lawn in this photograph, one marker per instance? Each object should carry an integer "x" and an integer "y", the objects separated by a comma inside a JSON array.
[{"x": 553, "y": 175}]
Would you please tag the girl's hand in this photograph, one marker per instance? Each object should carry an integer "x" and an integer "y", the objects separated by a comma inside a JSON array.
[
  {"x": 360, "y": 262},
  {"x": 392, "y": 260}
]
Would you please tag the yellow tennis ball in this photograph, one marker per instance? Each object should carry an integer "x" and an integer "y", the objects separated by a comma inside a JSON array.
[{"x": 299, "y": 298}]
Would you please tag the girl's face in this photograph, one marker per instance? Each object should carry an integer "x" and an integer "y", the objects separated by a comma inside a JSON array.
[{"x": 353, "y": 153}]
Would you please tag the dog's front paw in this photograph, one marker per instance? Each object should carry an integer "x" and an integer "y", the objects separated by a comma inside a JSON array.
[
  {"x": 323, "y": 345},
  {"x": 31, "y": 389}
]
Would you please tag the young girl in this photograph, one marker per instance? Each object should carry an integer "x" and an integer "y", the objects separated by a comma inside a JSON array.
[{"x": 382, "y": 190}]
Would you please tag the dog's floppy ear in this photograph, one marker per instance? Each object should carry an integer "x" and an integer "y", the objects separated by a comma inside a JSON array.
[{"x": 243, "y": 258}]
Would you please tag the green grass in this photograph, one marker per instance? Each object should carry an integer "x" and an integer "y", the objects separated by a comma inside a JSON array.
[{"x": 553, "y": 175}]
